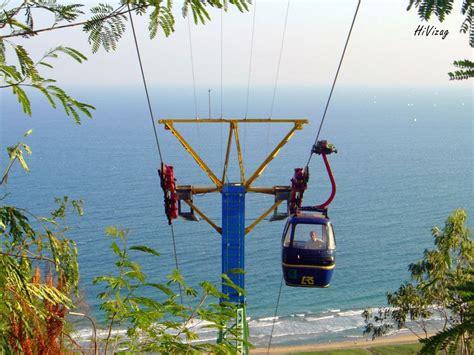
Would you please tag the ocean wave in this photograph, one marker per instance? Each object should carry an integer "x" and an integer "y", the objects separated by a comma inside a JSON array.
[
  {"x": 267, "y": 319},
  {"x": 262, "y": 324},
  {"x": 313, "y": 319},
  {"x": 350, "y": 313},
  {"x": 298, "y": 315}
]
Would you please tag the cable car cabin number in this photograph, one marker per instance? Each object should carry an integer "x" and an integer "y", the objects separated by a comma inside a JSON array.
[{"x": 308, "y": 251}]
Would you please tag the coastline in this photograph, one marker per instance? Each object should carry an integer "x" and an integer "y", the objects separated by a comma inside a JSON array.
[{"x": 362, "y": 343}]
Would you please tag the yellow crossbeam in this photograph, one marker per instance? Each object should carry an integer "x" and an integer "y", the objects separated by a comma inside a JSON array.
[
  {"x": 259, "y": 219},
  {"x": 200, "y": 189},
  {"x": 204, "y": 217},
  {"x": 228, "y": 120},
  {"x": 235, "y": 128},
  {"x": 272, "y": 155},
  {"x": 190, "y": 150},
  {"x": 227, "y": 154},
  {"x": 262, "y": 190}
]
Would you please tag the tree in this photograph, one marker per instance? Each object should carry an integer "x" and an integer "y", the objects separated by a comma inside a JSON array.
[
  {"x": 38, "y": 274},
  {"x": 437, "y": 287},
  {"x": 459, "y": 333},
  {"x": 426, "y": 8},
  {"x": 38, "y": 265},
  {"x": 163, "y": 324}
]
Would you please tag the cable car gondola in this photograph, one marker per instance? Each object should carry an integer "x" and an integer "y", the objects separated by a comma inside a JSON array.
[
  {"x": 308, "y": 255},
  {"x": 308, "y": 250}
]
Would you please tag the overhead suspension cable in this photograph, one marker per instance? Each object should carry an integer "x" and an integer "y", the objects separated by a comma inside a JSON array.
[
  {"x": 222, "y": 59},
  {"x": 279, "y": 58},
  {"x": 275, "y": 317},
  {"x": 198, "y": 138},
  {"x": 335, "y": 80},
  {"x": 152, "y": 117},
  {"x": 311, "y": 154},
  {"x": 192, "y": 67},
  {"x": 250, "y": 60},
  {"x": 222, "y": 85},
  {"x": 249, "y": 76}
]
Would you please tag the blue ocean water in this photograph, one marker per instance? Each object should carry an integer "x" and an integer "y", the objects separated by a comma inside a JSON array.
[{"x": 405, "y": 162}]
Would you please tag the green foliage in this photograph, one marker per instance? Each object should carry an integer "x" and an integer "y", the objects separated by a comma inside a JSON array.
[
  {"x": 426, "y": 8},
  {"x": 104, "y": 28},
  {"x": 16, "y": 153},
  {"x": 460, "y": 332},
  {"x": 442, "y": 8},
  {"x": 25, "y": 75},
  {"x": 467, "y": 25},
  {"x": 160, "y": 324},
  {"x": 466, "y": 70},
  {"x": 161, "y": 17},
  {"x": 438, "y": 284},
  {"x": 32, "y": 307}
]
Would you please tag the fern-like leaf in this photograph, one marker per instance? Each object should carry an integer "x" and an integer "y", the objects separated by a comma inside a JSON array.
[
  {"x": 104, "y": 28},
  {"x": 468, "y": 24},
  {"x": 161, "y": 17},
  {"x": 466, "y": 70},
  {"x": 22, "y": 99},
  {"x": 426, "y": 8}
]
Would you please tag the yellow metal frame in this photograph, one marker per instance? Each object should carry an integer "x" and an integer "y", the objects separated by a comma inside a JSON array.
[{"x": 218, "y": 183}]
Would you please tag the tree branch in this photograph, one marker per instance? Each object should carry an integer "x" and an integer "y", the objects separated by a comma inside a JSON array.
[
  {"x": 75, "y": 343},
  {"x": 94, "y": 328},
  {"x": 109, "y": 332},
  {"x": 13, "y": 14},
  {"x": 42, "y": 258},
  {"x": 193, "y": 313},
  {"x": 52, "y": 28}
]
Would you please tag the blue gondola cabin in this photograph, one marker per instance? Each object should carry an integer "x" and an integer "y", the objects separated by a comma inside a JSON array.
[{"x": 308, "y": 251}]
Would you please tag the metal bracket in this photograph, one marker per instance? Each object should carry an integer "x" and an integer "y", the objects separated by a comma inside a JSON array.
[
  {"x": 323, "y": 147},
  {"x": 323, "y": 211},
  {"x": 184, "y": 193},
  {"x": 282, "y": 193}
]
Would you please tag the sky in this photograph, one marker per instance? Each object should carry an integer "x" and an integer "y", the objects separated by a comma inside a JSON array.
[{"x": 383, "y": 49}]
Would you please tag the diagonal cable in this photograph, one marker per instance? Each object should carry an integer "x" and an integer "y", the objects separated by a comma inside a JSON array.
[
  {"x": 152, "y": 117},
  {"x": 155, "y": 131},
  {"x": 334, "y": 82},
  {"x": 192, "y": 67},
  {"x": 274, "y": 316},
  {"x": 250, "y": 60},
  {"x": 279, "y": 58}
]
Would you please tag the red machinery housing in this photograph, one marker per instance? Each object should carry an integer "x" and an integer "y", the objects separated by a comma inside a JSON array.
[{"x": 168, "y": 184}]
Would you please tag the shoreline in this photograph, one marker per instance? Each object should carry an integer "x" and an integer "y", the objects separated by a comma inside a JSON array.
[{"x": 362, "y": 343}]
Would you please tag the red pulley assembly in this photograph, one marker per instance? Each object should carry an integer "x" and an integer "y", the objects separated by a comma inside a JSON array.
[{"x": 168, "y": 184}]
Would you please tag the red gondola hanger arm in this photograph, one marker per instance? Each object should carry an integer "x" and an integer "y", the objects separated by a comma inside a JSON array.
[
  {"x": 324, "y": 148},
  {"x": 301, "y": 177},
  {"x": 333, "y": 183}
]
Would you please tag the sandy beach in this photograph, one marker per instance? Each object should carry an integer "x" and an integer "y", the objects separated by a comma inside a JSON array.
[{"x": 360, "y": 343}]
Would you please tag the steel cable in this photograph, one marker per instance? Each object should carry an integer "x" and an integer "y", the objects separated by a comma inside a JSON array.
[
  {"x": 155, "y": 132},
  {"x": 279, "y": 58},
  {"x": 334, "y": 82},
  {"x": 275, "y": 316}
]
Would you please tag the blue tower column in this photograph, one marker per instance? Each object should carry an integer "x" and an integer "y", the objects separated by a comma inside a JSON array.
[
  {"x": 233, "y": 239},
  {"x": 233, "y": 257}
]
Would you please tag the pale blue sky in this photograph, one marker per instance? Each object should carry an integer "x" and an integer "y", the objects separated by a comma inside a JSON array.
[{"x": 383, "y": 49}]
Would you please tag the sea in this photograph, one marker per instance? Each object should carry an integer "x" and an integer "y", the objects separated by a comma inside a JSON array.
[{"x": 404, "y": 163}]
